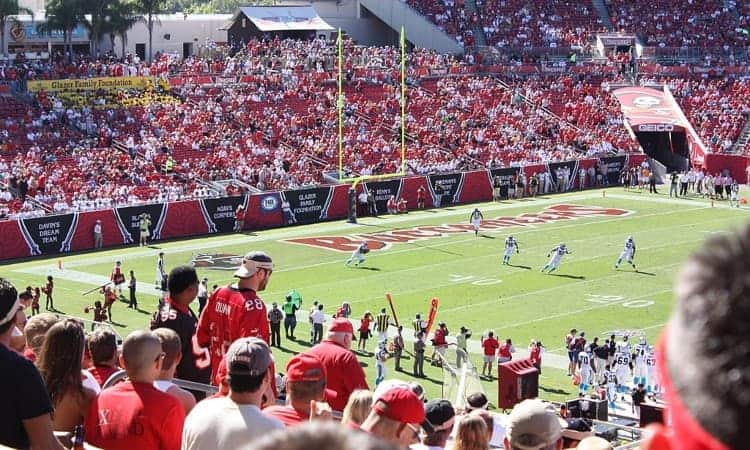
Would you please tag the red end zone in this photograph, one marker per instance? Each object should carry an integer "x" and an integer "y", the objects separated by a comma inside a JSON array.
[{"x": 377, "y": 241}]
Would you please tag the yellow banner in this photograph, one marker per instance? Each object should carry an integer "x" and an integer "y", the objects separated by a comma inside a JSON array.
[{"x": 90, "y": 84}]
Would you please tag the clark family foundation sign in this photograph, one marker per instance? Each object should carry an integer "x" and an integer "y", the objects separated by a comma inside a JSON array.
[{"x": 378, "y": 241}]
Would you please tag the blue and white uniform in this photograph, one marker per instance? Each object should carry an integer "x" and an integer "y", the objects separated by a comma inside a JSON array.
[
  {"x": 610, "y": 378},
  {"x": 622, "y": 369},
  {"x": 511, "y": 245},
  {"x": 358, "y": 254},
  {"x": 652, "y": 379},
  {"x": 381, "y": 356},
  {"x": 584, "y": 363},
  {"x": 640, "y": 369},
  {"x": 476, "y": 220},
  {"x": 555, "y": 255},
  {"x": 628, "y": 252}
]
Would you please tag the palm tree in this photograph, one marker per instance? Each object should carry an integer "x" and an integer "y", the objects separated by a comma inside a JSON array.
[
  {"x": 8, "y": 10},
  {"x": 150, "y": 10},
  {"x": 97, "y": 24},
  {"x": 65, "y": 16},
  {"x": 121, "y": 19}
]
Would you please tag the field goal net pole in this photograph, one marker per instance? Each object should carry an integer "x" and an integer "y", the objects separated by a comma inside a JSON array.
[
  {"x": 460, "y": 377},
  {"x": 343, "y": 178}
]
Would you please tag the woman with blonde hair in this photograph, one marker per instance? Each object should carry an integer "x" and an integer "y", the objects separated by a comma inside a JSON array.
[
  {"x": 357, "y": 408},
  {"x": 59, "y": 364},
  {"x": 471, "y": 434}
]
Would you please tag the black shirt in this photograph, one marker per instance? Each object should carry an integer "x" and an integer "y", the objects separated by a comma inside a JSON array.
[
  {"x": 24, "y": 397},
  {"x": 195, "y": 365}
]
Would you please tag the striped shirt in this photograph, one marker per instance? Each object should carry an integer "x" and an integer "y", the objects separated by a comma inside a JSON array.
[{"x": 381, "y": 323}]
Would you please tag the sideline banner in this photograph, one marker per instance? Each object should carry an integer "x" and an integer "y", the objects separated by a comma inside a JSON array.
[
  {"x": 90, "y": 84},
  {"x": 382, "y": 190},
  {"x": 306, "y": 205},
  {"x": 505, "y": 174},
  {"x": 449, "y": 190},
  {"x": 612, "y": 166},
  {"x": 128, "y": 220},
  {"x": 219, "y": 212},
  {"x": 49, "y": 234}
]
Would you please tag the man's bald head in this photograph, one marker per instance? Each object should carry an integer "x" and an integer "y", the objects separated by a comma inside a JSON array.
[{"x": 140, "y": 350}]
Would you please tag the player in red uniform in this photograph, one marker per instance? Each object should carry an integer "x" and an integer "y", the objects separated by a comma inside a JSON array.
[
  {"x": 490, "y": 346},
  {"x": 236, "y": 311},
  {"x": 117, "y": 277}
]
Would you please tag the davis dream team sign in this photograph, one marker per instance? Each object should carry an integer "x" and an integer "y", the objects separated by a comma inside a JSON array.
[{"x": 377, "y": 241}]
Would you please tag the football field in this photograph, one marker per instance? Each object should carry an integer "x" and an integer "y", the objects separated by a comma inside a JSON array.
[{"x": 428, "y": 254}]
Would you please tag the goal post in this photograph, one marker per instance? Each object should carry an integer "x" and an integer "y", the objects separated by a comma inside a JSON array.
[{"x": 340, "y": 110}]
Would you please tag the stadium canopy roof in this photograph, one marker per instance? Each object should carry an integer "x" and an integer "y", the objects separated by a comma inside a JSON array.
[
  {"x": 647, "y": 109},
  {"x": 281, "y": 18}
]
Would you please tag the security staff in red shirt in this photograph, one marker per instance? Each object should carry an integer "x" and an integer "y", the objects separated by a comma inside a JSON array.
[
  {"x": 236, "y": 311},
  {"x": 344, "y": 374}
]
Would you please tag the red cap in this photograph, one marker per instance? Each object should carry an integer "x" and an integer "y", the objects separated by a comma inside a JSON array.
[
  {"x": 400, "y": 404},
  {"x": 341, "y": 325},
  {"x": 305, "y": 367}
]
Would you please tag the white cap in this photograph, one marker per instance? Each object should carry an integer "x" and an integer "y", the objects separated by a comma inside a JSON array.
[{"x": 252, "y": 262}]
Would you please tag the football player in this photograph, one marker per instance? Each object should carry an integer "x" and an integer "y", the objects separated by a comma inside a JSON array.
[
  {"x": 652, "y": 381},
  {"x": 622, "y": 370},
  {"x": 555, "y": 256},
  {"x": 628, "y": 253},
  {"x": 640, "y": 370},
  {"x": 358, "y": 254},
  {"x": 476, "y": 220},
  {"x": 610, "y": 381},
  {"x": 510, "y": 245},
  {"x": 584, "y": 366},
  {"x": 381, "y": 356}
]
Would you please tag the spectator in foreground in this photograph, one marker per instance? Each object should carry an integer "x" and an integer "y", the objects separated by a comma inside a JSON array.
[
  {"x": 134, "y": 414},
  {"x": 343, "y": 371},
  {"x": 35, "y": 330},
  {"x": 357, "y": 408},
  {"x": 170, "y": 346},
  {"x": 594, "y": 443},
  {"x": 438, "y": 424},
  {"x": 60, "y": 366},
  {"x": 471, "y": 434},
  {"x": 321, "y": 435},
  {"x": 235, "y": 421},
  {"x": 305, "y": 389},
  {"x": 702, "y": 353},
  {"x": 534, "y": 424},
  {"x": 396, "y": 417},
  {"x": 103, "y": 349},
  {"x": 26, "y": 409}
]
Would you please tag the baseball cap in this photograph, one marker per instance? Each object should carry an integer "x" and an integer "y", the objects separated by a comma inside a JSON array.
[
  {"x": 400, "y": 405},
  {"x": 534, "y": 424},
  {"x": 341, "y": 325},
  {"x": 305, "y": 367},
  {"x": 249, "y": 357},
  {"x": 11, "y": 304},
  {"x": 252, "y": 262},
  {"x": 439, "y": 414}
]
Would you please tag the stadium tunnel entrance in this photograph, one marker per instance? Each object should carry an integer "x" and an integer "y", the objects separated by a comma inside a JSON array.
[{"x": 669, "y": 147}]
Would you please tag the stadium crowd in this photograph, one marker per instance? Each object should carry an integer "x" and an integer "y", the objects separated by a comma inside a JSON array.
[{"x": 61, "y": 379}]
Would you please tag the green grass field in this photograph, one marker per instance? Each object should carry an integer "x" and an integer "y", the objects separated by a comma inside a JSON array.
[{"x": 462, "y": 270}]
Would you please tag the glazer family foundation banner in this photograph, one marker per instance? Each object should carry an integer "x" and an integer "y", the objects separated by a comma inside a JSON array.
[
  {"x": 90, "y": 84},
  {"x": 377, "y": 241},
  {"x": 49, "y": 235},
  {"x": 306, "y": 205}
]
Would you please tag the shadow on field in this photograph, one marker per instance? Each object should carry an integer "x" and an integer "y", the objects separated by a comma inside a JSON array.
[
  {"x": 519, "y": 266},
  {"x": 368, "y": 268},
  {"x": 116, "y": 324},
  {"x": 143, "y": 311},
  {"x": 645, "y": 273},
  {"x": 553, "y": 391},
  {"x": 572, "y": 277},
  {"x": 487, "y": 237}
]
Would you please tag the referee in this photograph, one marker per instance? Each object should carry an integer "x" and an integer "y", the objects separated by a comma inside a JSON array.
[{"x": 381, "y": 325}]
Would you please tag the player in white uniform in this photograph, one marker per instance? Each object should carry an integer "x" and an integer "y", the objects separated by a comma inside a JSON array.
[
  {"x": 358, "y": 254},
  {"x": 476, "y": 220},
  {"x": 160, "y": 273},
  {"x": 639, "y": 369},
  {"x": 381, "y": 356},
  {"x": 628, "y": 252},
  {"x": 610, "y": 380},
  {"x": 510, "y": 245},
  {"x": 584, "y": 366},
  {"x": 734, "y": 195},
  {"x": 555, "y": 256},
  {"x": 652, "y": 381},
  {"x": 622, "y": 370}
]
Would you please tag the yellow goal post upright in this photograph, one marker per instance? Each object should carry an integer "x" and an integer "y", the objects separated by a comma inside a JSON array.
[{"x": 340, "y": 107}]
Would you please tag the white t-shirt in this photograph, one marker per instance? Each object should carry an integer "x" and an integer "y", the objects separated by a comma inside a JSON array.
[
  {"x": 318, "y": 316},
  {"x": 221, "y": 423}
]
